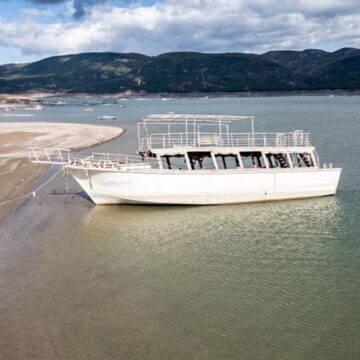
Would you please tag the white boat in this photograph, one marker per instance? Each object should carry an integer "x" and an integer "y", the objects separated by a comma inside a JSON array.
[
  {"x": 88, "y": 109},
  {"x": 37, "y": 107},
  {"x": 195, "y": 159},
  {"x": 107, "y": 117}
]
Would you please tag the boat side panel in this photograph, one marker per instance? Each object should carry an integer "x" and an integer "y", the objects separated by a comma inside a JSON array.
[{"x": 207, "y": 188}]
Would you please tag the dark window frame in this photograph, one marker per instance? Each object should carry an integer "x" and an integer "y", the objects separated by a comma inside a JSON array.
[
  {"x": 255, "y": 157},
  {"x": 173, "y": 165},
  {"x": 278, "y": 160},
  {"x": 226, "y": 165},
  {"x": 201, "y": 160}
]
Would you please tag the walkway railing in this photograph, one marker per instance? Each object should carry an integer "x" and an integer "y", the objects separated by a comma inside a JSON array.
[
  {"x": 171, "y": 140},
  {"x": 94, "y": 161}
]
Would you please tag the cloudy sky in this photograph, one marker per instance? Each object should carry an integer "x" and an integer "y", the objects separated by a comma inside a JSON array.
[{"x": 34, "y": 29}]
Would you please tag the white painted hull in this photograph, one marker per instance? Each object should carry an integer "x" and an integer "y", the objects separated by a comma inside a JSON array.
[{"x": 205, "y": 187}]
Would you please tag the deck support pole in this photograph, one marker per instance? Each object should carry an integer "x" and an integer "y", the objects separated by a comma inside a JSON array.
[
  {"x": 313, "y": 157},
  {"x": 265, "y": 160},
  {"x": 220, "y": 144},
  {"x": 289, "y": 160},
  {"x": 214, "y": 161},
  {"x": 241, "y": 165},
  {"x": 188, "y": 164},
  {"x": 158, "y": 158},
  {"x": 252, "y": 130}
]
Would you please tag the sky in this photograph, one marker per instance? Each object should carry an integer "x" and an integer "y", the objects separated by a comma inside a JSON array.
[{"x": 34, "y": 29}]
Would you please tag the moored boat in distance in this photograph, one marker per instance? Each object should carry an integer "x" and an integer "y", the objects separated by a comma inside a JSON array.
[
  {"x": 197, "y": 160},
  {"x": 107, "y": 117},
  {"x": 37, "y": 107}
]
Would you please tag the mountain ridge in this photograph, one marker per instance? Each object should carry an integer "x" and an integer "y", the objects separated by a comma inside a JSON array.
[{"x": 186, "y": 72}]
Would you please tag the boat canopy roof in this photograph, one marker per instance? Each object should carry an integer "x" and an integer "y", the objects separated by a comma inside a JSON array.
[
  {"x": 194, "y": 118},
  {"x": 168, "y": 131}
]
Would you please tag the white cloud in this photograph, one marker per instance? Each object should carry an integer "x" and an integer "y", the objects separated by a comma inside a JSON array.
[
  {"x": 192, "y": 25},
  {"x": 32, "y": 13}
]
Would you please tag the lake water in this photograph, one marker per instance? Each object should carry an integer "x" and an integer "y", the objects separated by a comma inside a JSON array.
[{"x": 260, "y": 281}]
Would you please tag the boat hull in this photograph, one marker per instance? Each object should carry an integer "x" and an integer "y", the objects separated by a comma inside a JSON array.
[{"x": 205, "y": 187}]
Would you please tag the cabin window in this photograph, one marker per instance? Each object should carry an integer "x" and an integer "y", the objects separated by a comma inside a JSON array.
[
  {"x": 201, "y": 160},
  {"x": 252, "y": 160},
  {"x": 228, "y": 161},
  {"x": 277, "y": 160},
  {"x": 302, "y": 160},
  {"x": 174, "y": 162}
]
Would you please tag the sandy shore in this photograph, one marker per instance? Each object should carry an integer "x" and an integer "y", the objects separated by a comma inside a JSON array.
[
  {"x": 16, "y": 172},
  {"x": 25, "y": 96},
  {"x": 20, "y": 101}
]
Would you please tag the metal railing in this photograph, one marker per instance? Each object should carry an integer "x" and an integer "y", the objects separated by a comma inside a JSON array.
[
  {"x": 94, "y": 161},
  {"x": 171, "y": 140},
  {"x": 49, "y": 155}
]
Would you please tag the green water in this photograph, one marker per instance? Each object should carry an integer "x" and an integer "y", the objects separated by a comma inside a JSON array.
[{"x": 262, "y": 281}]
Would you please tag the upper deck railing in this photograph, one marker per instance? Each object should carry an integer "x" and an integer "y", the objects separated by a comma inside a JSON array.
[
  {"x": 168, "y": 131},
  {"x": 201, "y": 139}
]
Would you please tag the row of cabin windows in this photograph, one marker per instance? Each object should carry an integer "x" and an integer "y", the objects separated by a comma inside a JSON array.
[{"x": 249, "y": 159}]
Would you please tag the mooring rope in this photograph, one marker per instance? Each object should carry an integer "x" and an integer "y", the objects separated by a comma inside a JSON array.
[{"x": 32, "y": 193}]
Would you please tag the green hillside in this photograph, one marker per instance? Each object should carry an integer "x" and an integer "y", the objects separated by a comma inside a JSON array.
[{"x": 186, "y": 72}]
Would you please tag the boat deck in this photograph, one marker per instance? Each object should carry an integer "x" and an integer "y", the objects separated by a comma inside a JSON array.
[{"x": 169, "y": 131}]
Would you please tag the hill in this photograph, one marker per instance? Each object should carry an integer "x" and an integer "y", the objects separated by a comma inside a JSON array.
[{"x": 185, "y": 72}]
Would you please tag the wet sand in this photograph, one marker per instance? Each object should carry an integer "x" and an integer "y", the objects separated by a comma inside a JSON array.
[
  {"x": 16, "y": 177},
  {"x": 17, "y": 174}
]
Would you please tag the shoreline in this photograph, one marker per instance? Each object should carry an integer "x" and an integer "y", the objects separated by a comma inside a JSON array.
[
  {"x": 18, "y": 174},
  {"x": 34, "y": 98}
]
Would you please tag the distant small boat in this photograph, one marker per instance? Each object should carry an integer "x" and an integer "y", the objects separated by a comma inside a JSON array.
[
  {"x": 8, "y": 109},
  {"x": 122, "y": 106},
  {"x": 88, "y": 109},
  {"x": 107, "y": 117},
  {"x": 35, "y": 108}
]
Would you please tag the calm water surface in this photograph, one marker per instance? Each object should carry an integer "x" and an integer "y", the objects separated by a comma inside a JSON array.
[{"x": 263, "y": 281}]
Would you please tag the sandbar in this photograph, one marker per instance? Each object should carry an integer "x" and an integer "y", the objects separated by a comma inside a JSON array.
[{"x": 17, "y": 173}]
